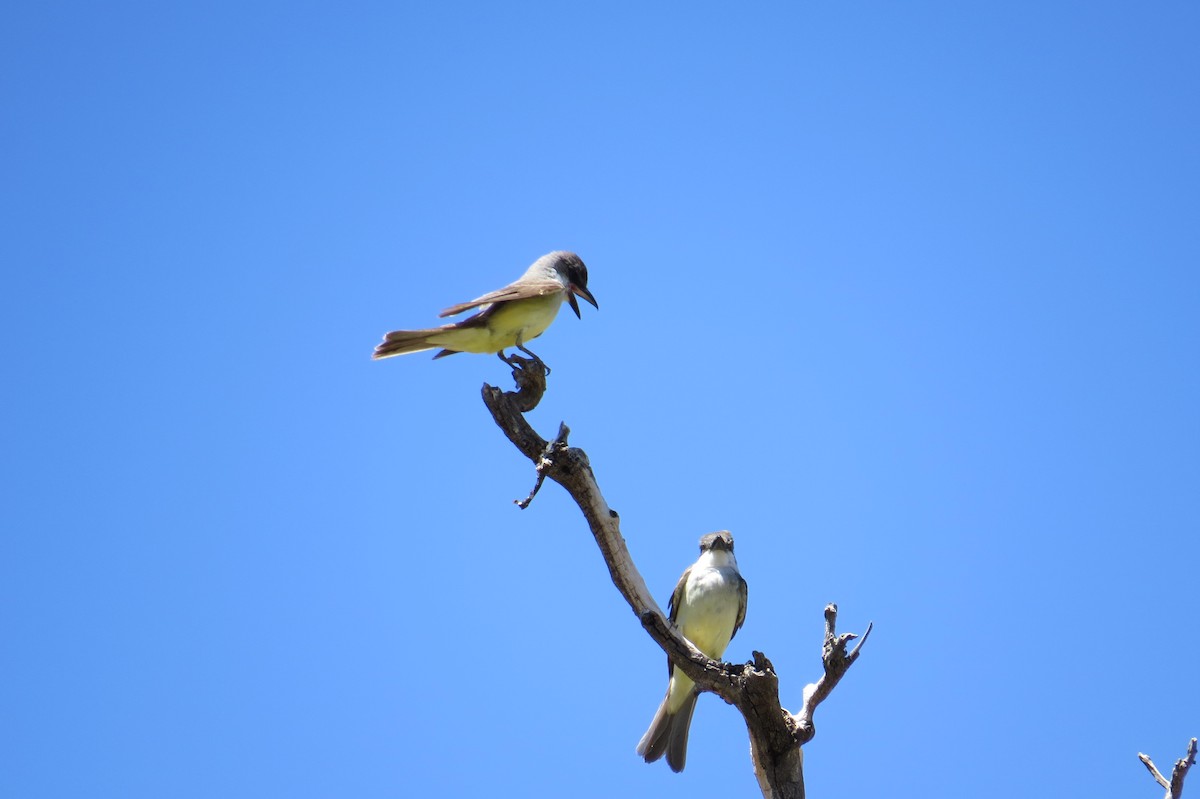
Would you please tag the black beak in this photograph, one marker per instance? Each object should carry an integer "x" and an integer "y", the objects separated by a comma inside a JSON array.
[{"x": 582, "y": 292}]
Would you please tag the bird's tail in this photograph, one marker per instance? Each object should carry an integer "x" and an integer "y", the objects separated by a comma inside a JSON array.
[
  {"x": 668, "y": 733},
  {"x": 402, "y": 342}
]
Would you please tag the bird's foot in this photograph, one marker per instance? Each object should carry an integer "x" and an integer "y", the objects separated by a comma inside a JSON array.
[
  {"x": 545, "y": 369},
  {"x": 517, "y": 362},
  {"x": 530, "y": 376}
]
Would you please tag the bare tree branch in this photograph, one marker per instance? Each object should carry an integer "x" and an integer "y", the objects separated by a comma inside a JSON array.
[
  {"x": 837, "y": 662},
  {"x": 1175, "y": 785},
  {"x": 569, "y": 467},
  {"x": 1154, "y": 772},
  {"x": 753, "y": 688}
]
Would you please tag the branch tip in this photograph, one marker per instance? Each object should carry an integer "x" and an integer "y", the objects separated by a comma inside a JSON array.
[
  {"x": 866, "y": 634},
  {"x": 1154, "y": 772}
]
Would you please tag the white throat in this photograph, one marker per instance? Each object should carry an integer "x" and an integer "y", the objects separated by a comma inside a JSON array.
[{"x": 717, "y": 559}]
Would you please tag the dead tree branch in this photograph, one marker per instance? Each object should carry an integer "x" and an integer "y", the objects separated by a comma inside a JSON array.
[
  {"x": 1174, "y": 786},
  {"x": 753, "y": 688}
]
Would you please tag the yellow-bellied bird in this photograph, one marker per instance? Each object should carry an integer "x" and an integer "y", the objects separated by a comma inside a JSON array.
[{"x": 508, "y": 317}]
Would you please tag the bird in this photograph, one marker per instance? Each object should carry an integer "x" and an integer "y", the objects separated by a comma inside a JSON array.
[
  {"x": 708, "y": 606},
  {"x": 508, "y": 317}
]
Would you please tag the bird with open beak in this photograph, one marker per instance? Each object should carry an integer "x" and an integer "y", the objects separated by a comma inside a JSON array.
[{"x": 508, "y": 317}]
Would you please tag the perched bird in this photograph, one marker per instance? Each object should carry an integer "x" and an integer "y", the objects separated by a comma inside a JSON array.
[
  {"x": 708, "y": 606},
  {"x": 508, "y": 317}
]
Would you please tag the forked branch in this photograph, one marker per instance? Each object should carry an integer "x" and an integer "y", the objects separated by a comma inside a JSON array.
[
  {"x": 753, "y": 688},
  {"x": 1174, "y": 786}
]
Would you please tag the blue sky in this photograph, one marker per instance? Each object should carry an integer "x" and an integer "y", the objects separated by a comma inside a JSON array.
[{"x": 904, "y": 295}]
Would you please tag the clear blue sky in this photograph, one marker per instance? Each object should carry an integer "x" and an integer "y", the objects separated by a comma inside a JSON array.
[{"x": 903, "y": 294}]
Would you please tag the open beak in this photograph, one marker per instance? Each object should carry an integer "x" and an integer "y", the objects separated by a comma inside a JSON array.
[{"x": 582, "y": 292}]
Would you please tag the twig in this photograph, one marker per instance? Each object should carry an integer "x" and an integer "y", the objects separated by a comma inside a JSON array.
[
  {"x": 544, "y": 463},
  {"x": 836, "y": 662},
  {"x": 1154, "y": 772}
]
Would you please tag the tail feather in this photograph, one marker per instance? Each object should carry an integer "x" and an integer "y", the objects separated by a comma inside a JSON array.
[
  {"x": 402, "y": 342},
  {"x": 680, "y": 727},
  {"x": 654, "y": 742},
  {"x": 668, "y": 734}
]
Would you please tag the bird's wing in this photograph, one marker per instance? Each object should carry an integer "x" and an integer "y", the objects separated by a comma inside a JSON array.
[
  {"x": 741, "y": 617},
  {"x": 677, "y": 596},
  {"x": 520, "y": 290},
  {"x": 674, "y": 604}
]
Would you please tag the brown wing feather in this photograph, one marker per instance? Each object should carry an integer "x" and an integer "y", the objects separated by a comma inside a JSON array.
[
  {"x": 742, "y": 593},
  {"x": 520, "y": 290},
  {"x": 673, "y": 605}
]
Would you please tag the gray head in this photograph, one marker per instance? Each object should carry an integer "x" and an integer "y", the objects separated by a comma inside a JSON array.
[
  {"x": 571, "y": 267},
  {"x": 720, "y": 540}
]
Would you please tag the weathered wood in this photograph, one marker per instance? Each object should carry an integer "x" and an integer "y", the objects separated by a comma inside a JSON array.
[
  {"x": 776, "y": 736},
  {"x": 1174, "y": 786}
]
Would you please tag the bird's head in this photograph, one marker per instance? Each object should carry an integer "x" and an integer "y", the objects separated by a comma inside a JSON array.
[
  {"x": 720, "y": 541},
  {"x": 573, "y": 273}
]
